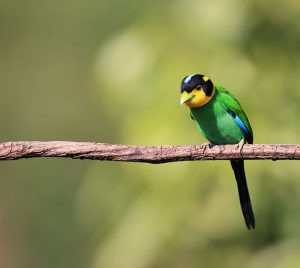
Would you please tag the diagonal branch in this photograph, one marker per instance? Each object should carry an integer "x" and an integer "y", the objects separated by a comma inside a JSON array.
[{"x": 149, "y": 154}]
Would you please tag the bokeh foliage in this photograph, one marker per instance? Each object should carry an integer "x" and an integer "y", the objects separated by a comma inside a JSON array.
[{"x": 109, "y": 71}]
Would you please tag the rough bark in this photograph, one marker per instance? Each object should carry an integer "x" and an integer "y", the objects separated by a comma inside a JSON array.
[{"x": 149, "y": 154}]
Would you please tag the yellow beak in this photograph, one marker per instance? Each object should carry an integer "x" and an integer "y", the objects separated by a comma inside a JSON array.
[{"x": 185, "y": 97}]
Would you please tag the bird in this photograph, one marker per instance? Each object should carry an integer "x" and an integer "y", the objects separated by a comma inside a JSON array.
[{"x": 221, "y": 120}]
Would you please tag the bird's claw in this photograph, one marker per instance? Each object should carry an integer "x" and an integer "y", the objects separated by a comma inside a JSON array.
[
  {"x": 240, "y": 145},
  {"x": 207, "y": 144}
]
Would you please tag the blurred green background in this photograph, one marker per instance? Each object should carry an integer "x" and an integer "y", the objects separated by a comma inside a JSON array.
[{"x": 109, "y": 71}]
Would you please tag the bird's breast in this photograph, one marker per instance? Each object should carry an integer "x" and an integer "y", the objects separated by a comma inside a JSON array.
[{"x": 216, "y": 124}]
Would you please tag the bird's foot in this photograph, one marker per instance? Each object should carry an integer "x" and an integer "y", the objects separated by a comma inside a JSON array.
[
  {"x": 240, "y": 145},
  {"x": 207, "y": 144}
]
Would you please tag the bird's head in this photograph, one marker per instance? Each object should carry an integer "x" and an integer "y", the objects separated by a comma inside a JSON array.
[{"x": 196, "y": 90}]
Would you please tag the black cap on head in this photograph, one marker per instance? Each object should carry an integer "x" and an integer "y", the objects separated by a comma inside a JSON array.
[{"x": 194, "y": 80}]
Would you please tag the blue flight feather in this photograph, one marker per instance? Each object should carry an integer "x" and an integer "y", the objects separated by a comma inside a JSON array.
[
  {"x": 241, "y": 124},
  {"x": 247, "y": 132}
]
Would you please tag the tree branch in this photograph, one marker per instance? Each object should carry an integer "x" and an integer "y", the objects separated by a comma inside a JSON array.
[{"x": 148, "y": 154}]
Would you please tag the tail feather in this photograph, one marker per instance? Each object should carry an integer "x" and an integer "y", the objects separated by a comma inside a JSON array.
[{"x": 239, "y": 172}]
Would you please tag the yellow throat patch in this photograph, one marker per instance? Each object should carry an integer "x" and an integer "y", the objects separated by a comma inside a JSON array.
[{"x": 196, "y": 98}]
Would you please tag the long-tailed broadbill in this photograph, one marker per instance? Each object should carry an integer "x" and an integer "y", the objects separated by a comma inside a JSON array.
[{"x": 221, "y": 120}]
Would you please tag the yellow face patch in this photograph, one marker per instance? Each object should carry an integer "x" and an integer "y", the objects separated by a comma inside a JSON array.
[{"x": 197, "y": 98}]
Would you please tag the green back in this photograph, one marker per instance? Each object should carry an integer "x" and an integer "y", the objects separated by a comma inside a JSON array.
[{"x": 234, "y": 108}]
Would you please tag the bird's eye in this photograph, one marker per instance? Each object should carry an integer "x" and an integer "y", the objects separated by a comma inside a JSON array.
[{"x": 198, "y": 87}]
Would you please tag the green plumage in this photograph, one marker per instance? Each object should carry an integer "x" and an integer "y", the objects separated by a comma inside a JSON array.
[
  {"x": 223, "y": 121},
  {"x": 215, "y": 121}
]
